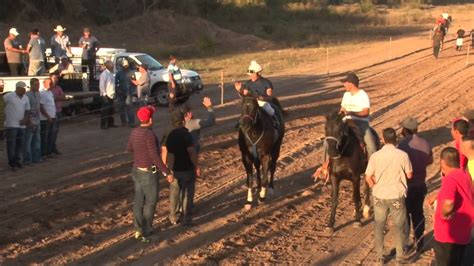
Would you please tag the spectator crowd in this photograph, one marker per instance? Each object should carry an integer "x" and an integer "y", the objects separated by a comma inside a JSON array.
[{"x": 30, "y": 120}]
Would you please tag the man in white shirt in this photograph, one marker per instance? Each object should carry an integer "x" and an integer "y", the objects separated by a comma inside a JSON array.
[
  {"x": 107, "y": 91},
  {"x": 17, "y": 107},
  {"x": 47, "y": 116},
  {"x": 356, "y": 105}
]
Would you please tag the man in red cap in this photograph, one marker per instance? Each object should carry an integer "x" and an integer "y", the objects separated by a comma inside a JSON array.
[{"x": 147, "y": 162}]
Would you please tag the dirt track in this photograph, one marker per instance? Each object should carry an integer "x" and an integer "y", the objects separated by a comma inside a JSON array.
[{"x": 77, "y": 208}]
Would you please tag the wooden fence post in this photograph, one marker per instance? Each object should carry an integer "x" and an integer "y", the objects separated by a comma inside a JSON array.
[
  {"x": 222, "y": 87},
  {"x": 390, "y": 47},
  {"x": 327, "y": 62},
  {"x": 468, "y": 52}
]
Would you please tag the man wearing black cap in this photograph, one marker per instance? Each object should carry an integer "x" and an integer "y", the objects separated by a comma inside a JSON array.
[
  {"x": 179, "y": 153},
  {"x": 420, "y": 155},
  {"x": 356, "y": 106}
]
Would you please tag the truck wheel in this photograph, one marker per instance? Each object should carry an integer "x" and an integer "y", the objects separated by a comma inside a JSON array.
[{"x": 160, "y": 93}]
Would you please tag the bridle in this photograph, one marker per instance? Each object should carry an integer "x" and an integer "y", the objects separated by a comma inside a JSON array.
[{"x": 345, "y": 133}]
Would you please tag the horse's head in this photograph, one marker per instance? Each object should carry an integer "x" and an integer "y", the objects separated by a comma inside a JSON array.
[
  {"x": 250, "y": 111},
  {"x": 336, "y": 129}
]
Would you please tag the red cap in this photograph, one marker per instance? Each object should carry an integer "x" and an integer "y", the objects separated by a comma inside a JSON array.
[{"x": 145, "y": 113}]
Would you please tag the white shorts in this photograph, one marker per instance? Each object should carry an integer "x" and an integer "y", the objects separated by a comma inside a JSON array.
[{"x": 459, "y": 41}]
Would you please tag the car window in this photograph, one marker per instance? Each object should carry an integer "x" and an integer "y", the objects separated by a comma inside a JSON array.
[{"x": 149, "y": 61}]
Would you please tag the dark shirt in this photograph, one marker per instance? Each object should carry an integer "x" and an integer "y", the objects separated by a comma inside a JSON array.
[
  {"x": 123, "y": 81},
  {"x": 144, "y": 145},
  {"x": 90, "y": 49},
  {"x": 177, "y": 142},
  {"x": 420, "y": 154},
  {"x": 259, "y": 87},
  {"x": 461, "y": 33}
]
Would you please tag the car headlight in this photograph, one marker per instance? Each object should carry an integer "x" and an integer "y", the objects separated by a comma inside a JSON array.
[{"x": 186, "y": 80}]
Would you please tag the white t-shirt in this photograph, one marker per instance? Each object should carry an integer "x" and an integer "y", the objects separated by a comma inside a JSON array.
[
  {"x": 47, "y": 101},
  {"x": 15, "y": 108},
  {"x": 356, "y": 103}
]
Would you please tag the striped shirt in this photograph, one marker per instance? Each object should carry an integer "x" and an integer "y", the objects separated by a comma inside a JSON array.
[{"x": 144, "y": 145}]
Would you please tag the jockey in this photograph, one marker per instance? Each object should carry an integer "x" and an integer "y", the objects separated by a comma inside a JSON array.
[
  {"x": 356, "y": 106},
  {"x": 258, "y": 87}
]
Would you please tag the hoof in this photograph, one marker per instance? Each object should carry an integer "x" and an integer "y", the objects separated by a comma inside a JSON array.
[
  {"x": 329, "y": 230},
  {"x": 366, "y": 212},
  {"x": 357, "y": 224},
  {"x": 248, "y": 206}
]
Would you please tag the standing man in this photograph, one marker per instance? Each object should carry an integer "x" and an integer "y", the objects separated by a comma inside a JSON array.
[
  {"x": 60, "y": 44},
  {"x": 2, "y": 111},
  {"x": 107, "y": 91},
  {"x": 460, "y": 129},
  {"x": 174, "y": 74},
  {"x": 143, "y": 85},
  {"x": 194, "y": 126},
  {"x": 454, "y": 211},
  {"x": 472, "y": 38},
  {"x": 387, "y": 174},
  {"x": 179, "y": 154},
  {"x": 90, "y": 45},
  {"x": 47, "y": 117},
  {"x": 36, "y": 48},
  {"x": 32, "y": 148},
  {"x": 59, "y": 97},
  {"x": 125, "y": 90},
  {"x": 144, "y": 145},
  {"x": 17, "y": 108},
  {"x": 460, "y": 38},
  {"x": 13, "y": 50},
  {"x": 420, "y": 155}
]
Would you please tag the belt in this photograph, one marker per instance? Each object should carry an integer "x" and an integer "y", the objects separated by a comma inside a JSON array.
[
  {"x": 148, "y": 169},
  {"x": 143, "y": 169}
]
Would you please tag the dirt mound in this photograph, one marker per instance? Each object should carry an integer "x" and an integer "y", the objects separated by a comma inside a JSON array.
[{"x": 159, "y": 32}]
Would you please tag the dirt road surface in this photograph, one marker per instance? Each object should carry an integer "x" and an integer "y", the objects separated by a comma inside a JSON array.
[{"x": 76, "y": 208}]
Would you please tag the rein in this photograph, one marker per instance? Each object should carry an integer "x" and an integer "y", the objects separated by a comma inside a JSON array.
[{"x": 338, "y": 143}]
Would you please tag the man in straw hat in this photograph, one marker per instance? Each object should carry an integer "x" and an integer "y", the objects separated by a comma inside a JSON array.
[{"x": 60, "y": 44}]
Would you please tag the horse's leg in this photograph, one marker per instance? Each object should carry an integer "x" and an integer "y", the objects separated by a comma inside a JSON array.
[
  {"x": 264, "y": 177},
  {"x": 272, "y": 176},
  {"x": 356, "y": 198},
  {"x": 335, "y": 198},
  {"x": 248, "y": 164}
]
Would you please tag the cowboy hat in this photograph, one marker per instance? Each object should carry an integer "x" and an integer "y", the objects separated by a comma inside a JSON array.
[{"x": 59, "y": 28}]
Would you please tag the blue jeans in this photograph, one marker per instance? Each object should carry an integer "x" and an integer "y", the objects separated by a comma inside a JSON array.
[
  {"x": 181, "y": 196},
  {"x": 368, "y": 136},
  {"x": 127, "y": 112},
  {"x": 53, "y": 134},
  {"x": 396, "y": 207},
  {"x": 146, "y": 197},
  {"x": 46, "y": 129},
  {"x": 15, "y": 141},
  {"x": 32, "y": 147}
]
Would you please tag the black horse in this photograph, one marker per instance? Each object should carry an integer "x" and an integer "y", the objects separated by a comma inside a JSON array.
[
  {"x": 346, "y": 161},
  {"x": 260, "y": 139}
]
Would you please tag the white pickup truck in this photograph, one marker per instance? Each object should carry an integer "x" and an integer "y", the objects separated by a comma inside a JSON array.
[{"x": 86, "y": 93}]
